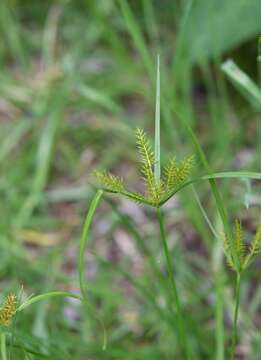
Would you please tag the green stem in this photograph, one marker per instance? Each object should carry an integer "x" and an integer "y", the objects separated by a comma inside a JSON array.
[
  {"x": 3, "y": 346},
  {"x": 234, "y": 331},
  {"x": 84, "y": 240},
  {"x": 81, "y": 263},
  {"x": 180, "y": 319},
  {"x": 220, "y": 315},
  {"x": 259, "y": 60}
]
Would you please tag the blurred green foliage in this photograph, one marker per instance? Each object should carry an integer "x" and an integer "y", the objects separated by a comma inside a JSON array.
[{"x": 76, "y": 78}]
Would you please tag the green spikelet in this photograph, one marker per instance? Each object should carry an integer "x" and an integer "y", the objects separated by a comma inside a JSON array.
[
  {"x": 171, "y": 174},
  {"x": 146, "y": 155},
  {"x": 8, "y": 310},
  {"x": 174, "y": 175},
  {"x": 154, "y": 189},
  {"x": 240, "y": 247},
  {"x": 235, "y": 249},
  {"x": 254, "y": 248},
  {"x": 110, "y": 182},
  {"x": 185, "y": 168},
  {"x": 228, "y": 253}
]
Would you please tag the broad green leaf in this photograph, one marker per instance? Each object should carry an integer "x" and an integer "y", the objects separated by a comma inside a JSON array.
[{"x": 215, "y": 26}]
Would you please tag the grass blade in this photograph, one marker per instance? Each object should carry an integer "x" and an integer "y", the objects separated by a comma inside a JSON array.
[
  {"x": 157, "y": 125},
  {"x": 46, "y": 296},
  {"x": 140, "y": 44},
  {"x": 137, "y": 36},
  {"x": 84, "y": 240},
  {"x": 213, "y": 176},
  {"x": 217, "y": 196},
  {"x": 83, "y": 243},
  {"x": 259, "y": 60},
  {"x": 243, "y": 82},
  {"x": 43, "y": 163},
  {"x": 176, "y": 300}
]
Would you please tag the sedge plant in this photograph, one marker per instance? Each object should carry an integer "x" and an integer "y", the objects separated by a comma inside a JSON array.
[
  {"x": 239, "y": 258},
  {"x": 158, "y": 189}
]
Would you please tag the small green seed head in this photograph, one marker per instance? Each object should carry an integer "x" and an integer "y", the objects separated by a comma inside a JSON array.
[{"x": 8, "y": 310}]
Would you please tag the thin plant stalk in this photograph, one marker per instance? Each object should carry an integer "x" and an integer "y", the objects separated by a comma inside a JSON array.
[
  {"x": 220, "y": 334},
  {"x": 81, "y": 264},
  {"x": 259, "y": 60},
  {"x": 3, "y": 346},
  {"x": 234, "y": 331},
  {"x": 180, "y": 318},
  {"x": 84, "y": 240}
]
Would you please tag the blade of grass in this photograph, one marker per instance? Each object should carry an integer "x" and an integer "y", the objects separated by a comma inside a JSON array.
[
  {"x": 46, "y": 296},
  {"x": 84, "y": 241},
  {"x": 217, "y": 196},
  {"x": 219, "y": 284},
  {"x": 42, "y": 164},
  {"x": 137, "y": 36},
  {"x": 234, "y": 330},
  {"x": 219, "y": 313},
  {"x": 259, "y": 60},
  {"x": 205, "y": 215},
  {"x": 180, "y": 317},
  {"x": 146, "y": 57},
  {"x": 213, "y": 176},
  {"x": 97, "y": 97},
  {"x": 81, "y": 263},
  {"x": 243, "y": 82},
  {"x": 157, "y": 125}
]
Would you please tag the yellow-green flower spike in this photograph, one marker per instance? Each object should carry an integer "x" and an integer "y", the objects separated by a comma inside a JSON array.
[
  {"x": 8, "y": 309},
  {"x": 156, "y": 190}
]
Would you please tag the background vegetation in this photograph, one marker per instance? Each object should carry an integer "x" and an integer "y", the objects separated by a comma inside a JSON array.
[{"x": 77, "y": 77}]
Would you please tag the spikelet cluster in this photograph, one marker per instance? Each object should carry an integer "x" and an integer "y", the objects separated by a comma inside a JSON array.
[
  {"x": 109, "y": 181},
  {"x": 254, "y": 248},
  {"x": 156, "y": 191},
  {"x": 235, "y": 250},
  {"x": 175, "y": 174},
  {"x": 8, "y": 310}
]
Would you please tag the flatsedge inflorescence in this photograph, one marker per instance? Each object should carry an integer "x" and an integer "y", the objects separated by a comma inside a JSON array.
[
  {"x": 156, "y": 191},
  {"x": 238, "y": 255},
  {"x": 8, "y": 310}
]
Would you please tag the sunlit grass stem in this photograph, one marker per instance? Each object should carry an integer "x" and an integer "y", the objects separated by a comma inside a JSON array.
[{"x": 180, "y": 318}]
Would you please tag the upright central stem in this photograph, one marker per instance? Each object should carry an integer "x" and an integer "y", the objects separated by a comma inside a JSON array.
[
  {"x": 234, "y": 333},
  {"x": 180, "y": 320}
]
